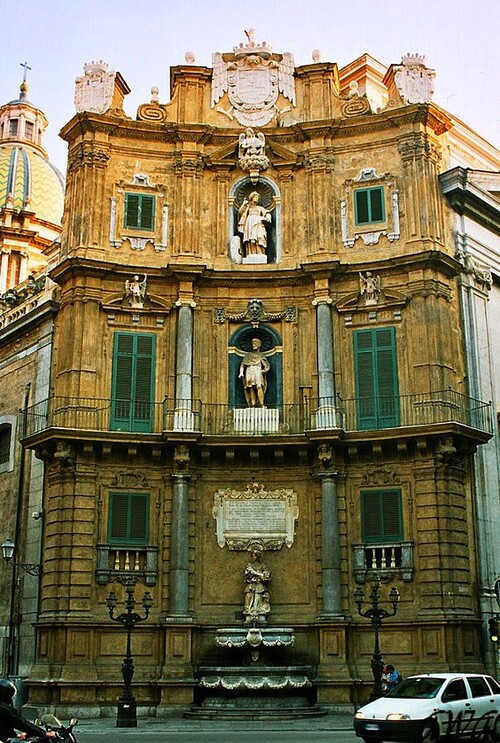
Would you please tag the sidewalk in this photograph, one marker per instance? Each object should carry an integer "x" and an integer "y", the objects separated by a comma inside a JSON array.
[{"x": 332, "y": 721}]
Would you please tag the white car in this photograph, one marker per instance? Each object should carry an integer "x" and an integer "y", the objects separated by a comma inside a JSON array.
[{"x": 429, "y": 707}]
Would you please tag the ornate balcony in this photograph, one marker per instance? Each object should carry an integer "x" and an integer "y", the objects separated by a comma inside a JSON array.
[
  {"x": 388, "y": 561},
  {"x": 69, "y": 416},
  {"x": 121, "y": 562}
]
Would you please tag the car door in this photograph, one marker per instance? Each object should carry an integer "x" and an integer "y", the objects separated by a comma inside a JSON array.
[
  {"x": 456, "y": 713},
  {"x": 484, "y": 702}
]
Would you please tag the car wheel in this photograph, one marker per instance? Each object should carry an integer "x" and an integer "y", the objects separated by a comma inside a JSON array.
[
  {"x": 495, "y": 730},
  {"x": 429, "y": 733}
]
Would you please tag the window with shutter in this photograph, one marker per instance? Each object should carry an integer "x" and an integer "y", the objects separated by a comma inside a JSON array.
[
  {"x": 139, "y": 211},
  {"x": 128, "y": 521},
  {"x": 369, "y": 205},
  {"x": 381, "y": 516},
  {"x": 375, "y": 372},
  {"x": 132, "y": 405}
]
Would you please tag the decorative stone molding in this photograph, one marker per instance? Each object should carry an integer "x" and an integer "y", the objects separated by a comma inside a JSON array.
[
  {"x": 391, "y": 228},
  {"x": 255, "y": 515},
  {"x": 251, "y": 153},
  {"x": 152, "y": 112},
  {"x": 127, "y": 479},
  {"x": 255, "y": 314},
  {"x": 481, "y": 274},
  {"x": 380, "y": 476}
]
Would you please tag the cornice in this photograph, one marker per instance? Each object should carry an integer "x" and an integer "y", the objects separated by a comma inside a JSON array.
[{"x": 467, "y": 198}]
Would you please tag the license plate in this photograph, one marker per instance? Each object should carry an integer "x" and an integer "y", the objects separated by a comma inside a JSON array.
[{"x": 372, "y": 727}]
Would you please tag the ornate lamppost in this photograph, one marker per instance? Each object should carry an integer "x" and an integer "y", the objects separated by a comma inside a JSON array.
[
  {"x": 376, "y": 615},
  {"x": 127, "y": 707},
  {"x": 8, "y": 551}
]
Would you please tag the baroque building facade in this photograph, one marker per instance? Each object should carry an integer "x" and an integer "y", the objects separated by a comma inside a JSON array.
[{"x": 260, "y": 344}]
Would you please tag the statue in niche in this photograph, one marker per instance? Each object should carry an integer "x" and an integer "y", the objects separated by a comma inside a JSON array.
[
  {"x": 253, "y": 371},
  {"x": 136, "y": 291},
  {"x": 252, "y": 220},
  {"x": 257, "y": 577},
  {"x": 369, "y": 287}
]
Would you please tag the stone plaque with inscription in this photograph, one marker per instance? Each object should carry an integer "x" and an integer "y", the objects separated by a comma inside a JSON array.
[{"x": 255, "y": 516}]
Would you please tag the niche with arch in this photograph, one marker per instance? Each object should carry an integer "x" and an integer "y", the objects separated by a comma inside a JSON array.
[
  {"x": 270, "y": 199},
  {"x": 239, "y": 344}
]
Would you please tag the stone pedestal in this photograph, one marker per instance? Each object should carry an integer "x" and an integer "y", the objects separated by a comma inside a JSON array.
[{"x": 256, "y": 420}]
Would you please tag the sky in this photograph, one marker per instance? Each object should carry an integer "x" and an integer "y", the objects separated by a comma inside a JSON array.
[{"x": 142, "y": 39}]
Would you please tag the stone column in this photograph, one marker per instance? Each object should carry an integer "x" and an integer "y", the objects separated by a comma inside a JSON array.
[
  {"x": 184, "y": 371},
  {"x": 330, "y": 547},
  {"x": 326, "y": 414},
  {"x": 179, "y": 547},
  {"x": 326, "y": 387}
]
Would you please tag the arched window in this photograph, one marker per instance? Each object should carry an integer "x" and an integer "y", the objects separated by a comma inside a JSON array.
[{"x": 269, "y": 202}]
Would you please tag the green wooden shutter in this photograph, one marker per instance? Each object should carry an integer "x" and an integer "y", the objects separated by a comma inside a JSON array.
[
  {"x": 376, "y": 380},
  {"x": 147, "y": 212},
  {"x": 132, "y": 407},
  {"x": 381, "y": 516},
  {"x": 376, "y": 205},
  {"x": 132, "y": 210},
  {"x": 369, "y": 205},
  {"x": 128, "y": 521},
  {"x": 139, "y": 211},
  {"x": 361, "y": 206}
]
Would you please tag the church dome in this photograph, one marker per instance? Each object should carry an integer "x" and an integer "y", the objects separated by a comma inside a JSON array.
[{"x": 29, "y": 182}]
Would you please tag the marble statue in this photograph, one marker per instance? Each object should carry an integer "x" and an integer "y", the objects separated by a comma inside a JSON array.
[
  {"x": 257, "y": 577},
  {"x": 369, "y": 286},
  {"x": 136, "y": 291},
  {"x": 253, "y": 370},
  {"x": 251, "y": 224}
]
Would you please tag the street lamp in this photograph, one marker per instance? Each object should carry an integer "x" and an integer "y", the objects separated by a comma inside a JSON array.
[
  {"x": 8, "y": 550},
  {"x": 127, "y": 708},
  {"x": 12, "y": 641},
  {"x": 376, "y": 614}
]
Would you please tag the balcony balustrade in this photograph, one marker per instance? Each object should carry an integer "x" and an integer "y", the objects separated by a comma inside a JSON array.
[
  {"x": 209, "y": 419},
  {"x": 385, "y": 560},
  {"x": 121, "y": 562}
]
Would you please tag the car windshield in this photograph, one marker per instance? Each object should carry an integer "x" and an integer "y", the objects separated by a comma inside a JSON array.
[{"x": 417, "y": 687}]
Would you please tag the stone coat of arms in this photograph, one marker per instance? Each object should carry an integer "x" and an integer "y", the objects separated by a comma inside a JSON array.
[
  {"x": 252, "y": 76},
  {"x": 94, "y": 89},
  {"x": 414, "y": 81}
]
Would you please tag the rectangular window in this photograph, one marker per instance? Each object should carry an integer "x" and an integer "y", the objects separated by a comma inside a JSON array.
[
  {"x": 369, "y": 205},
  {"x": 28, "y": 129},
  {"x": 139, "y": 211},
  {"x": 376, "y": 378},
  {"x": 128, "y": 521},
  {"x": 381, "y": 517},
  {"x": 5, "y": 439},
  {"x": 13, "y": 127},
  {"x": 132, "y": 404}
]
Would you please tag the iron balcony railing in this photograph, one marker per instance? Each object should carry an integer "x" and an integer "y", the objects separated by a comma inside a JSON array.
[{"x": 210, "y": 419}]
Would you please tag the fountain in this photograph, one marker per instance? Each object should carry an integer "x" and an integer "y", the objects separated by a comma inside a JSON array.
[{"x": 255, "y": 681}]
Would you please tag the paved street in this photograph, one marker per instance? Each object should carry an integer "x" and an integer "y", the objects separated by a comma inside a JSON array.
[{"x": 336, "y": 728}]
